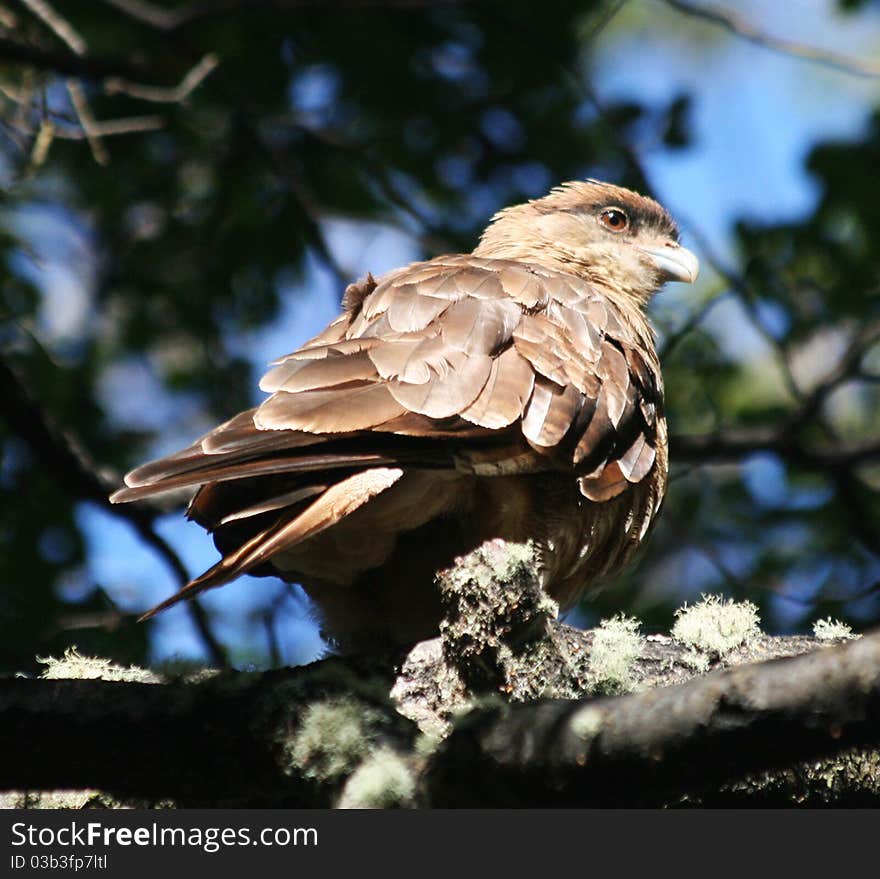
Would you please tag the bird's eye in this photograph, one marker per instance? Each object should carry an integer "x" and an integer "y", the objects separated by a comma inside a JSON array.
[{"x": 614, "y": 219}]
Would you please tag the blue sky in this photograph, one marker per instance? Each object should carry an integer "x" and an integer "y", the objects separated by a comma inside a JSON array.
[{"x": 755, "y": 115}]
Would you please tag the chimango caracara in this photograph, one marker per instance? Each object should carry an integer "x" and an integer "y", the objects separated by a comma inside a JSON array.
[{"x": 513, "y": 392}]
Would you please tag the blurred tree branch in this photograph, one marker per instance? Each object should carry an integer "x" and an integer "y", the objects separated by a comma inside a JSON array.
[
  {"x": 59, "y": 61},
  {"x": 165, "y": 19},
  {"x": 59, "y": 25},
  {"x": 736, "y": 24},
  {"x": 117, "y": 75},
  {"x": 737, "y": 443},
  {"x": 163, "y": 94},
  {"x": 43, "y": 126},
  {"x": 838, "y": 459},
  {"x": 81, "y": 478}
]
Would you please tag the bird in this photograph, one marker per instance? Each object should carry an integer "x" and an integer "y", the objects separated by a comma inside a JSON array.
[{"x": 510, "y": 393}]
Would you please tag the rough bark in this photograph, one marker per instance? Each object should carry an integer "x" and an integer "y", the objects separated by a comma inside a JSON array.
[{"x": 506, "y": 707}]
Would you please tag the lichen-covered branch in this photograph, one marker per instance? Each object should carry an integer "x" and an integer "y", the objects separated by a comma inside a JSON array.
[
  {"x": 287, "y": 738},
  {"x": 506, "y": 707},
  {"x": 656, "y": 746}
]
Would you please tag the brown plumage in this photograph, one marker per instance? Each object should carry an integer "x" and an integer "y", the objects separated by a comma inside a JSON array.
[{"x": 513, "y": 392}]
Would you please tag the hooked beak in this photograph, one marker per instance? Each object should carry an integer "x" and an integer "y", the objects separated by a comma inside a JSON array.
[{"x": 676, "y": 263}]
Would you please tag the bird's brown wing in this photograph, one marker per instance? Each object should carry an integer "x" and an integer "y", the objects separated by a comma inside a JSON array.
[
  {"x": 488, "y": 366},
  {"x": 597, "y": 394}
]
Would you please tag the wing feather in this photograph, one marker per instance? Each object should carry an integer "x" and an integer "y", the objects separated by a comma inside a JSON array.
[
  {"x": 505, "y": 366},
  {"x": 409, "y": 311},
  {"x": 339, "y": 410},
  {"x": 551, "y": 412},
  {"x": 326, "y": 372},
  {"x": 504, "y": 396},
  {"x": 454, "y": 385}
]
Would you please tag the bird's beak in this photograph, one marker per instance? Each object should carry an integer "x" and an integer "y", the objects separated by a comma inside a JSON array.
[{"x": 676, "y": 263}]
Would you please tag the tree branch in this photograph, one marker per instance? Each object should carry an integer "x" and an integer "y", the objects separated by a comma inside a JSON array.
[
  {"x": 643, "y": 749},
  {"x": 162, "y": 94},
  {"x": 80, "y": 477},
  {"x": 87, "y": 121},
  {"x": 735, "y": 444},
  {"x": 67, "y": 63},
  {"x": 144, "y": 740},
  {"x": 118, "y": 75},
  {"x": 268, "y": 740},
  {"x": 738, "y": 25},
  {"x": 59, "y": 25},
  {"x": 164, "y": 19},
  {"x": 303, "y": 736}
]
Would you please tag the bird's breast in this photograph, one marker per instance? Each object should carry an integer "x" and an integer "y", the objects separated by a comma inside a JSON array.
[{"x": 373, "y": 575}]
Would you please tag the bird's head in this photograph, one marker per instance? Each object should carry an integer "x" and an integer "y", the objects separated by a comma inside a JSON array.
[{"x": 611, "y": 236}]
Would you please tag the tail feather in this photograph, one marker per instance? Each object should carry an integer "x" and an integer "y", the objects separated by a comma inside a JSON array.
[
  {"x": 239, "y": 469},
  {"x": 269, "y": 504},
  {"x": 332, "y": 505}
]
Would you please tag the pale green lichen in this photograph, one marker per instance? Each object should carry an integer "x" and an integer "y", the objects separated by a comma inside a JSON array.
[
  {"x": 76, "y": 799},
  {"x": 75, "y": 666},
  {"x": 492, "y": 562},
  {"x": 429, "y": 740},
  {"x": 383, "y": 781},
  {"x": 586, "y": 722},
  {"x": 516, "y": 557},
  {"x": 58, "y": 799},
  {"x": 716, "y": 626},
  {"x": 189, "y": 671},
  {"x": 617, "y": 646},
  {"x": 833, "y": 630},
  {"x": 334, "y": 735},
  {"x": 699, "y": 662},
  {"x": 851, "y": 777}
]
